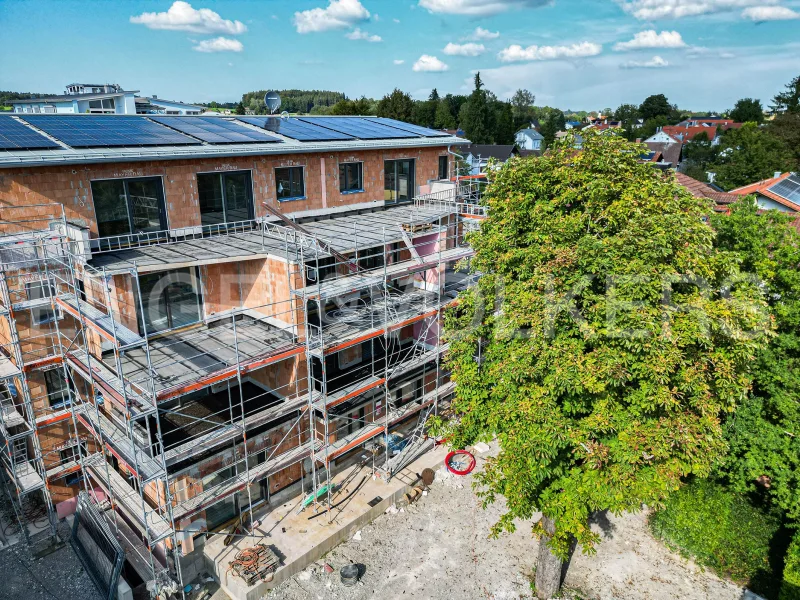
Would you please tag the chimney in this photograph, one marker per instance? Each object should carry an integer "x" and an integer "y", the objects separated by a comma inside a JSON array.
[
  {"x": 155, "y": 97},
  {"x": 711, "y": 175},
  {"x": 777, "y": 174}
]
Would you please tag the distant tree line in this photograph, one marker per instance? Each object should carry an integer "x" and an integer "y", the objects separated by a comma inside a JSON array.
[
  {"x": 293, "y": 101},
  {"x": 6, "y": 97}
]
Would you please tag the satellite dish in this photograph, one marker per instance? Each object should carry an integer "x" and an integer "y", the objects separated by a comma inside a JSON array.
[{"x": 273, "y": 101}]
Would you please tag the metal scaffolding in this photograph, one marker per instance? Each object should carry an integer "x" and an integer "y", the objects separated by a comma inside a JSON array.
[{"x": 347, "y": 337}]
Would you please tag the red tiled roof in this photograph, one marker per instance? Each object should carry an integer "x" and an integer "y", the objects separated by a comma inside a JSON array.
[
  {"x": 761, "y": 187},
  {"x": 698, "y": 189},
  {"x": 688, "y": 133}
]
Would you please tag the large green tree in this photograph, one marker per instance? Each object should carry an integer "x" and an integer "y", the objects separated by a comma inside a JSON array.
[
  {"x": 522, "y": 107},
  {"x": 747, "y": 155},
  {"x": 786, "y": 125},
  {"x": 475, "y": 115},
  {"x": 764, "y": 435},
  {"x": 654, "y": 106},
  {"x": 789, "y": 99},
  {"x": 600, "y": 346},
  {"x": 397, "y": 105},
  {"x": 747, "y": 110}
]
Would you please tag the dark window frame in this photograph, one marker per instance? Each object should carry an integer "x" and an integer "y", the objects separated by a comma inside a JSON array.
[
  {"x": 63, "y": 388},
  {"x": 444, "y": 161},
  {"x": 222, "y": 175},
  {"x": 168, "y": 299},
  {"x": 412, "y": 180},
  {"x": 291, "y": 170},
  {"x": 344, "y": 174},
  {"x": 161, "y": 197},
  {"x": 42, "y": 315}
]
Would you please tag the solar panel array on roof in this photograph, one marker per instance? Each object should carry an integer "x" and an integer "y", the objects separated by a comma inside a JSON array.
[
  {"x": 789, "y": 188},
  {"x": 423, "y": 131},
  {"x": 215, "y": 130},
  {"x": 99, "y": 131},
  {"x": 362, "y": 129},
  {"x": 16, "y": 136},
  {"x": 296, "y": 129}
]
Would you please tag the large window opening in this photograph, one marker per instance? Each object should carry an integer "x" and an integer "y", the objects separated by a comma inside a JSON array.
[
  {"x": 289, "y": 183},
  {"x": 170, "y": 299},
  {"x": 351, "y": 177},
  {"x": 444, "y": 171},
  {"x": 398, "y": 180},
  {"x": 40, "y": 290},
  {"x": 57, "y": 388},
  {"x": 125, "y": 206},
  {"x": 225, "y": 197}
]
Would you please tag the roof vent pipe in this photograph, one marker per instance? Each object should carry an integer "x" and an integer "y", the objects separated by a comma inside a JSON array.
[{"x": 777, "y": 174}]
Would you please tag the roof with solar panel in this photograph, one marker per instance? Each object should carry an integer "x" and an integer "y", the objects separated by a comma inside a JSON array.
[
  {"x": 40, "y": 139},
  {"x": 784, "y": 188}
]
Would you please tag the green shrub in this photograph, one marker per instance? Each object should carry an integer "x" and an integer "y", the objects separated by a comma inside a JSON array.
[
  {"x": 722, "y": 530},
  {"x": 791, "y": 572}
]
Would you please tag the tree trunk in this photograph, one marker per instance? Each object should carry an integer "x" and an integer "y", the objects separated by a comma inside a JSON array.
[{"x": 548, "y": 565}]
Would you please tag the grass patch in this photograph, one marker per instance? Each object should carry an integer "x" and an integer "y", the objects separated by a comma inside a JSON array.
[{"x": 724, "y": 531}]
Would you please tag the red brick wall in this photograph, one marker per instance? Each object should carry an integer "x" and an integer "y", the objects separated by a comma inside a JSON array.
[{"x": 71, "y": 185}]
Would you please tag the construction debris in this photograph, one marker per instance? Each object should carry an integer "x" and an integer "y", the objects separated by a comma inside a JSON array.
[{"x": 255, "y": 564}]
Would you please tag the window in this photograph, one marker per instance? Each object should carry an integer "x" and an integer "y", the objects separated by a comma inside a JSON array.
[
  {"x": 443, "y": 168},
  {"x": 105, "y": 105},
  {"x": 225, "y": 197},
  {"x": 398, "y": 180},
  {"x": 169, "y": 299},
  {"x": 351, "y": 177},
  {"x": 289, "y": 183},
  {"x": 125, "y": 206},
  {"x": 57, "y": 388},
  {"x": 39, "y": 290}
]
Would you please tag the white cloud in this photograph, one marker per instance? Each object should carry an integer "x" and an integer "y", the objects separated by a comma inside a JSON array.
[
  {"x": 760, "y": 14},
  {"x": 339, "y": 14},
  {"x": 648, "y": 10},
  {"x": 654, "y": 63},
  {"x": 464, "y": 49},
  {"x": 398, "y": 61},
  {"x": 483, "y": 34},
  {"x": 703, "y": 52},
  {"x": 181, "y": 16},
  {"x": 516, "y": 53},
  {"x": 430, "y": 64},
  {"x": 357, "y": 34},
  {"x": 396, "y": 20},
  {"x": 478, "y": 8},
  {"x": 220, "y": 44},
  {"x": 651, "y": 39}
]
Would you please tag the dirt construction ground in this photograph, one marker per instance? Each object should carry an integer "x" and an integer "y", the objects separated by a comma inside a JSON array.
[{"x": 438, "y": 549}]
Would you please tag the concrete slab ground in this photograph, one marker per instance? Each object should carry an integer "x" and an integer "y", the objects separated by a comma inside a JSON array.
[{"x": 301, "y": 540}]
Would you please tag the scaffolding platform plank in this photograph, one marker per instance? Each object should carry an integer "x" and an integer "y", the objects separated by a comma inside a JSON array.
[
  {"x": 353, "y": 282},
  {"x": 350, "y": 391},
  {"x": 67, "y": 468},
  {"x": 100, "y": 322},
  {"x": 8, "y": 369},
  {"x": 28, "y": 304},
  {"x": 123, "y": 495},
  {"x": 25, "y": 477},
  {"x": 229, "y": 432},
  {"x": 11, "y": 418},
  {"x": 53, "y": 417},
  {"x": 227, "y": 488},
  {"x": 366, "y": 433},
  {"x": 118, "y": 443},
  {"x": 108, "y": 381}
]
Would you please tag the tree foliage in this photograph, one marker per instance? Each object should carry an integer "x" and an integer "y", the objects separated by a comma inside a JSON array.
[
  {"x": 293, "y": 101},
  {"x": 764, "y": 436},
  {"x": 397, "y": 105},
  {"x": 747, "y": 155},
  {"x": 475, "y": 116},
  {"x": 654, "y": 106},
  {"x": 747, "y": 110},
  {"x": 362, "y": 106},
  {"x": 602, "y": 394},
  {"x": 789, "y": 99}
]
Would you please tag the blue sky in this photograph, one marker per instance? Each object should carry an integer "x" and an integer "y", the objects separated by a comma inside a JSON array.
[{"x": 703, "y": 54}]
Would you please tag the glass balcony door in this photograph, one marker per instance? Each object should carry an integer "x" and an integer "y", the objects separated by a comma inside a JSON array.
[
  {"x": 225, "y": 197},
  {"x": 398, "y": 180}
]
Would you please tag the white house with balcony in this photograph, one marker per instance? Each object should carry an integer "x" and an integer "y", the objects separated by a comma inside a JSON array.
[
  {"x": 529, "y": 139},
  {"x": 158, "y": 106},
  {"x": 106, "y": 98}
]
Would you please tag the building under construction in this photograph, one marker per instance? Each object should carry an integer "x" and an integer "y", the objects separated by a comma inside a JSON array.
[{"x": 202, "y": 317}]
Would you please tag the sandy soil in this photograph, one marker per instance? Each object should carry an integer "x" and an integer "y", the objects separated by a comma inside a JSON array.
[{"x": 438, "y": 548}]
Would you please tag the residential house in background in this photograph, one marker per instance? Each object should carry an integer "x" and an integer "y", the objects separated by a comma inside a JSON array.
[
  {"x": 666, "y": 154},
  {"x": 529, "y": 139},
  {"x": 573, "y": 125},
  {"x": 478, "y": 155},
  {"x": 158, "y": 106},
  {"x": 722, "y": 200},
  {"x": 780, "y": 192},
  {"x": 107, "y": 98}
]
